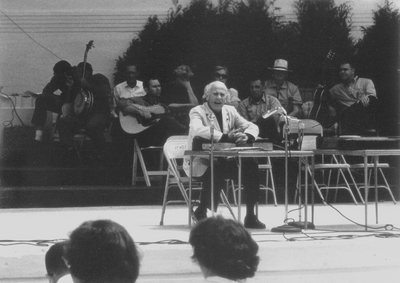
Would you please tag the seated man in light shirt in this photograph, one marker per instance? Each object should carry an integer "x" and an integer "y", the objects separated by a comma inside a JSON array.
[
  {"x": 287, "y": 93},
  {"x": 263, "y": 110},
  {"x": 222, "y": 123},
  {"x": 356, "y": 101}
]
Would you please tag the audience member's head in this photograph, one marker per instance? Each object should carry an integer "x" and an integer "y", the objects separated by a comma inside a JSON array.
[
  {"x": 102, "y": 251},
  {"x": 280, "y": 70},
  {"x": 220, "y": 74},
  {"x": 224, "y": 248},
  {"x": 54, "y": 261}
]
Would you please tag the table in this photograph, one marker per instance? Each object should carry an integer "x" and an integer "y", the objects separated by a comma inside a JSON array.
[
  {"x": 365, "y": 153},
  {"x": 248, "y": 154}
]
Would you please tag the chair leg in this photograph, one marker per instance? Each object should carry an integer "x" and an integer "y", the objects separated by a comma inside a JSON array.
[
  {"x": 273, "y": 187},
  {"x": 138, "y": 152},
  {"x": 164, "y": 201},
  {"x": 226, "y": 203}
]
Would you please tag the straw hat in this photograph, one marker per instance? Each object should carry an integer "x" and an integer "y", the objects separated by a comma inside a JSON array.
[{"x": 280, "y": 65}]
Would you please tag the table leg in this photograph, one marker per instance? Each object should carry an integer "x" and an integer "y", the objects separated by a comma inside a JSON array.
[
  {"x": 376, "y": 187},
  {"x": 306, "y": 192},
  {"x": 366, "y": 190},
  {"x": 190, "y": 190},
  {"x": 239, "y": 189}
]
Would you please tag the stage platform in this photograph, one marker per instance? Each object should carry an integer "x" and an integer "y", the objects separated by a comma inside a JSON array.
[{"x": 338, "y": 250}]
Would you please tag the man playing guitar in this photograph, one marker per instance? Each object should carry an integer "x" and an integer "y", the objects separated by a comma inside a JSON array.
[{"x": 149, "y": 116}]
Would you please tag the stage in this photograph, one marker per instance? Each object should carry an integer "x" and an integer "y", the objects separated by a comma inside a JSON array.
[{"x": 336, "y": 251}]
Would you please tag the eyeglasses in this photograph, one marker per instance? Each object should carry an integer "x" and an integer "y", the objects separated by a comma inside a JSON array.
[{"x": 221, "y": 76}]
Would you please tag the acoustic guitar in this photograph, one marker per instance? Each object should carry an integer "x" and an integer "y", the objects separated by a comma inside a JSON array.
[{"x": 132, "y": 124}]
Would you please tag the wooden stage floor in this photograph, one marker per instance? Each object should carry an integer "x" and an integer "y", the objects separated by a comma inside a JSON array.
[{"x": 338, "y": 250}]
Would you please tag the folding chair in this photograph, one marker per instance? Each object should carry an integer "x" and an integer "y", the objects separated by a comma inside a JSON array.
[
  {"x": 370, "y": 165},
  {"x": 138, "y": 155},
  {"x": 174, "y": 149},
  {"x": 335, "y": 163}
]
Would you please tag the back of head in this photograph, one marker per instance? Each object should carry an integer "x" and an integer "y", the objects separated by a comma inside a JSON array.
[
  {"x": 225, "y": 247},
  {"x": 183, "y": 71},
  {"x": 88, "y": 68},
  {"x": 55, "y": 265},
  {"x": 102, "y": 251}
]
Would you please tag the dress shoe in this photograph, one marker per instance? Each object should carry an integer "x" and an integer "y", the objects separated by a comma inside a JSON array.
[
  {"x": 253, "y": 223},
  {"x": 200, "y": 213}
]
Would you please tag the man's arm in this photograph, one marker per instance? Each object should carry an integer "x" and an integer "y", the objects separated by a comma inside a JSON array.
[
  {"x": 242, "y": 109},
  {"x": 191, "y": 96}
]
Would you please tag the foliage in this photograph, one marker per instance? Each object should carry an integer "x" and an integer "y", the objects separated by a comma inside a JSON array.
[
  {"x": 244, "y": 36},
  {"x": 322, "y": 27},
  {"x": 378, "y": 59},
  {"x": 201, "y": 35}
]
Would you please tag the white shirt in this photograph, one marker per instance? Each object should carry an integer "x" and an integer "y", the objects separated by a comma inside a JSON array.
[
  {"x": 123, "y": 90},
  {"x": 65, "y": 279}
]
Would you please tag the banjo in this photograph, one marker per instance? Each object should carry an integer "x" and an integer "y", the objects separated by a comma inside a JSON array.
[{"x": 84, "y": 100}]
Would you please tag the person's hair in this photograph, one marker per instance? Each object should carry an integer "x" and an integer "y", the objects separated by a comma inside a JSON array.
[
  {"x": 102, "y": 251},
  {"x": 225, "y": 247},
  {"x": 219, "y": 68},
  {"x": 129, "y": 64},
  {"x": 256, "y": 78},
  {"x": 347, "y": 61},
  {"x": 207, "y": 89},
  {"x": 89, "y": 68},
  {"x": 146, "y": 81},
  {"x": 62, "y": 67},
  {"x": 54, "y": 261}
]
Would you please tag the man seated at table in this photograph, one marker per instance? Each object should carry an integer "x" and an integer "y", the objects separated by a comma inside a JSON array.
[
  {"x": 258, "y": 104},
  {"x": 222, "y": 123}
]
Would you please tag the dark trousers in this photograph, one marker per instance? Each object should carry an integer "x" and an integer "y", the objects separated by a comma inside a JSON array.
[
  {"x": 94, "y": 124},
  {"x": 158, "y": 133},
  {"x": 43, "y": 104},
  {"x": 228, "y": 169},
  {"x": 356, "y": 119}
]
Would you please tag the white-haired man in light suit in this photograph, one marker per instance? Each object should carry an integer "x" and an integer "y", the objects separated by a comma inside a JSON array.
[{"x": 227, "y": 126}]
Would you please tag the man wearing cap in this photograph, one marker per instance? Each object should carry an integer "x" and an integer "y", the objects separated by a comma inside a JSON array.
[
  {"x": 356, "y": 101},
  {"x": 62, "y": 80},
  {"x": 287, "y": 93}
]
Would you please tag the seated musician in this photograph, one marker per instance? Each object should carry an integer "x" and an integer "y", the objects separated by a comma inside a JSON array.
[
  {"x": 256, "y": 105},
  {"x": 151, "y": 114},
  {"x": 222, "y": 123},
  {"x": 287, "y": 93},
  {"x": 356, "y": 99},
  {"x": 94, "y": 121},
  {"x": 62, "y": 80}
]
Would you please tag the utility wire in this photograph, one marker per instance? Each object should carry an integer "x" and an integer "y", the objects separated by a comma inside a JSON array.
[{"x": 29, "y": 35}]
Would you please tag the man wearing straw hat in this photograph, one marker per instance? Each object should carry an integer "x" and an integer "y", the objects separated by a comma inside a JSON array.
[{"x": 287, "y": 93}]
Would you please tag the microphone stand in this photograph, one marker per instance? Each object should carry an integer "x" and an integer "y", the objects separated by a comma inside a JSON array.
[
  {"x": 212, "y": 166},
  {"x": 286, "y": 228}
]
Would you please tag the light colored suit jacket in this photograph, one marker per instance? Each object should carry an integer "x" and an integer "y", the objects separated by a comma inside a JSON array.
[{"x": 201, "y": 119}]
